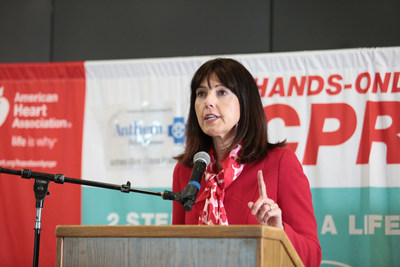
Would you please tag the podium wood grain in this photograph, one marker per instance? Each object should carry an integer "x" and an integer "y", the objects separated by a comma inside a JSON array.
[{"x": 184, "y": 245}]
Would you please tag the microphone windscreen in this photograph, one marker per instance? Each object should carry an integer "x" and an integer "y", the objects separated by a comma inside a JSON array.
[{"x": 203, "y": 156}]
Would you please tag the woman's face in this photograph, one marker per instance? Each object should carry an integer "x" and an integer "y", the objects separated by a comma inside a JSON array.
[{"x": 217, "y": 109}]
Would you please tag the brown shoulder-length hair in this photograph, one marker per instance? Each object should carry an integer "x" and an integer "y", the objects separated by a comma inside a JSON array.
[{"x": 251, "y": 129}]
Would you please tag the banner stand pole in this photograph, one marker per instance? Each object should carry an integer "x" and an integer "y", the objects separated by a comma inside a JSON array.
[{"x": 41, "y": 187}]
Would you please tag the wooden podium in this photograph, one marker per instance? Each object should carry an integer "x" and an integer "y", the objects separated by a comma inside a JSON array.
[{"x": 183, "y": 245}]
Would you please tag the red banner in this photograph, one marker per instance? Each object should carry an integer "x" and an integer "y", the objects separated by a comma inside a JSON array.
[{"x": 41, "y": 125}]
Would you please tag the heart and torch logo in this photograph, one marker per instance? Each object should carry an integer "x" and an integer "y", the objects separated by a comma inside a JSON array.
[{"x": 4, "y": 107}]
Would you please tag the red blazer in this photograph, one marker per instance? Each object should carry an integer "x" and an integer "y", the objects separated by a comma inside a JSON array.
[{"x": 286, "y": 184}]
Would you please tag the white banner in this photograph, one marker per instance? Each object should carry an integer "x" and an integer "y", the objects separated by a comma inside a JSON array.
[{"x": 339, "y": 111}]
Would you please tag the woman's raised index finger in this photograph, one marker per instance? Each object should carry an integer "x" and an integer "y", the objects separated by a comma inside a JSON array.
[{"x": 261, "y": 185}]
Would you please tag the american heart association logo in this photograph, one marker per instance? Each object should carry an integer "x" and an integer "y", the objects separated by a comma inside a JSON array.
[{"x": 4, "y": 107}]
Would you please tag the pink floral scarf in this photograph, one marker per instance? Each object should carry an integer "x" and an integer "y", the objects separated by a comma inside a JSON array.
[{"x": 214, "y": 192}]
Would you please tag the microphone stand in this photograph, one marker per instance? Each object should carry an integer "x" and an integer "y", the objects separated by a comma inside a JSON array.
[{"x": 41, "y": 187}]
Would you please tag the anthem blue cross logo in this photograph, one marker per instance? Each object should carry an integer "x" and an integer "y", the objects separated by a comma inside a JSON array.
[{"x": 177, "y": 130}]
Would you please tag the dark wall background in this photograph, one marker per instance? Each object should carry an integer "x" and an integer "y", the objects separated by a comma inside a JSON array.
[{"x": 73, "y": 30}]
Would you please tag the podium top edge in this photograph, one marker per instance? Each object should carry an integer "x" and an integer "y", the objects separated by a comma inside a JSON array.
[{"x": 178, "y": 231}]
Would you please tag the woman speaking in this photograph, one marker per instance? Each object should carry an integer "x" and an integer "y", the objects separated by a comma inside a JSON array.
[{"x": 249, "y": 180}]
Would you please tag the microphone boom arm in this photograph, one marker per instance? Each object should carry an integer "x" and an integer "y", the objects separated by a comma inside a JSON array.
[{"x": 61, "y": 179}]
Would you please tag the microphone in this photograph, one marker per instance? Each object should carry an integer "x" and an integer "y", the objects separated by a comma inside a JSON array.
[{"x": 188, "y": 195}]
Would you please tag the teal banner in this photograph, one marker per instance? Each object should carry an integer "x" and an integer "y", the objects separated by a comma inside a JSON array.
[
  {"x": 356, "y": 226},
  {"x": 108, "y": 207}
]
